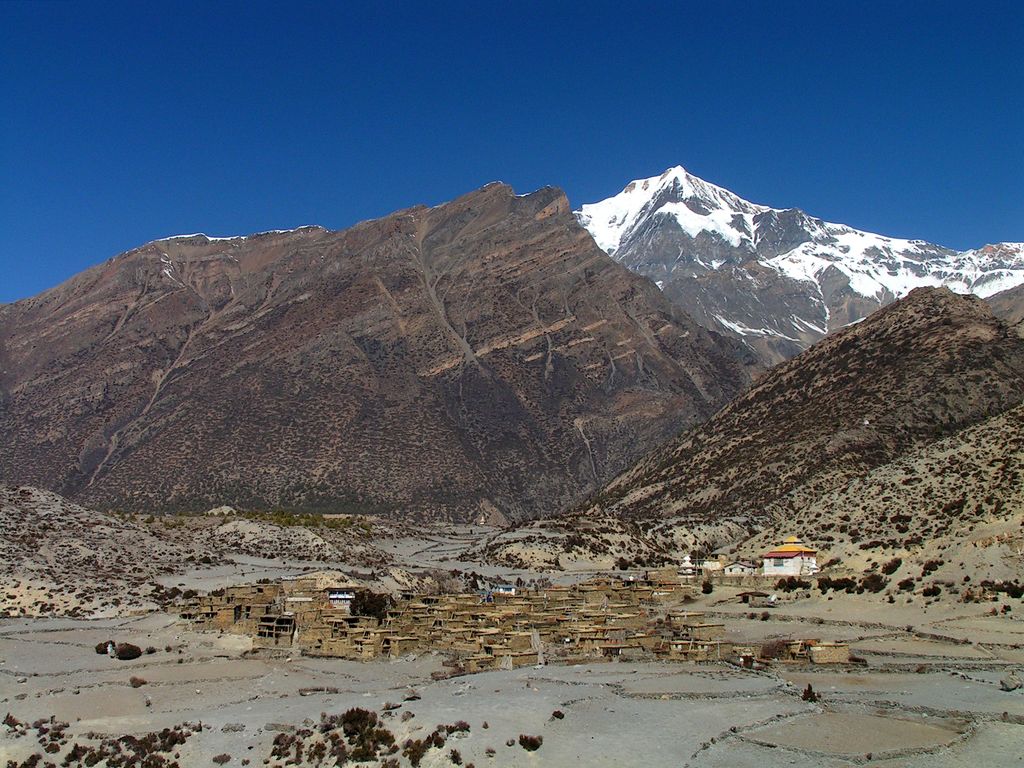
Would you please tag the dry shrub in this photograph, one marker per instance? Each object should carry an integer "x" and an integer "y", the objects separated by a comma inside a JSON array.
[
  {"x": 530, "y": 743},
  {"x": 127, "y": 651}
]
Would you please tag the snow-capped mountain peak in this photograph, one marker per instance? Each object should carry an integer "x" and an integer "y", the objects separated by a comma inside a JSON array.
[
  {"x": 695, "y": 204},
  {"x": 775, "y": 274}
]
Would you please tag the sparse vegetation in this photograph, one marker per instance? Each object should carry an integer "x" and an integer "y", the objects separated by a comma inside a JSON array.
[{"x": 792, "y": 583}]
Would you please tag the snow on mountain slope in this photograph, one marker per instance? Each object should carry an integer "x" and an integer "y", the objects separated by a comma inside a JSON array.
[
  {"x": 778, "y": 278},
  {"x": 609, "y": 220}
]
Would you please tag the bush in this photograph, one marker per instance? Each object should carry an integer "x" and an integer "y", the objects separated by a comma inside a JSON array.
[
  {"x": 845, "y": 584},
  {"x": 809, "y": 694},
  {"x": 874, "y": 582},
  {"x": 101, "y": 648},
  {"x": 892, "y": 566},
  {"x": 932, "y": 591},
  {"x": 906, "y": 585},
  {"x": 558, "y": 715},
  {"x": 221, "y": 759},
  {"x": 455, "y": 756},
  {"x": 127, "y": 651},
  {"x": 707, "y": 587},
  {"x": 363, "y": 732},
  {"x": 136, "y": 682},
  {"x": 530, "y": 743},
  {"x": 792, "y": 583},
  {"x": 414, "y": 750}
]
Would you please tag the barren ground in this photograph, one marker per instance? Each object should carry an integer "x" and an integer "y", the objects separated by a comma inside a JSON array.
[{"x": 928, "y": 696}]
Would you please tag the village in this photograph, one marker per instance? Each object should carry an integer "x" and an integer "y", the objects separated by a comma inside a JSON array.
[
  {"x": 638, "y": 617},
  {"x": 713, "y": 661}
]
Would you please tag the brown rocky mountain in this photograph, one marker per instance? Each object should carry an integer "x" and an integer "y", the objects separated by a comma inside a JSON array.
[
  {"x": 482, "y": 357},
  {"x": 924, "y": 367},
  {"x": 1009, "y": 305},
  {"x": 821, "y": 429}
]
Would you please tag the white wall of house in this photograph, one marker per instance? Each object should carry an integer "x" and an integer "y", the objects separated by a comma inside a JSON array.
[{"x": 790, "y": 566}]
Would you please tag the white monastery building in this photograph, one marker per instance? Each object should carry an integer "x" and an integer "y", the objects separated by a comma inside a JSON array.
[{"x": 791, "y": 558}]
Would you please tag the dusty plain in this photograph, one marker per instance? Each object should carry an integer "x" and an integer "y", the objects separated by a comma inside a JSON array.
[{"x": 929, "y": 693}]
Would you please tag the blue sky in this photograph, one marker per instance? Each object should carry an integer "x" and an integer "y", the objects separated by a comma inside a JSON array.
[{"x": 122, "y": 123}]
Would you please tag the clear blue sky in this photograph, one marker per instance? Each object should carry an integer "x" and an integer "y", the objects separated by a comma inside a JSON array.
[{"x": 124, "y": 123}]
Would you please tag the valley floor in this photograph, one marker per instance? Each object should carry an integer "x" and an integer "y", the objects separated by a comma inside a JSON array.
[{"x": 928, "y": 696}]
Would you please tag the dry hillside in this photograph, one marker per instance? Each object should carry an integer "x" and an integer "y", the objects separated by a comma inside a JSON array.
[
  {"x": 952, "y": 508},
  {"x": 878, "y": 440},
  {"x": 920, "y": 369},
  {"x": 60, "y": 558},
  {"x": 479, "y": 358}
]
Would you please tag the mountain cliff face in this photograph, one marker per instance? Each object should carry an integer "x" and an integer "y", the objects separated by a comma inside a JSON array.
[
  {"x": 777, "y": 279},
  {"x": 478, "y": 359},
  {"x": 926, "y": 367}
]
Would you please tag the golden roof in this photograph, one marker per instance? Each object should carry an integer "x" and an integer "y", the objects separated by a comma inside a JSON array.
[{"x": 795, "y": 548}]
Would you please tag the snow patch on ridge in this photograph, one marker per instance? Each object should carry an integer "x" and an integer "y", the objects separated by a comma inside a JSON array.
[{"x": 239, "y": 237}]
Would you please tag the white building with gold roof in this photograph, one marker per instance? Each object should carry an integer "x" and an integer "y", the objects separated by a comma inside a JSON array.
[{"x": 791, "y": 558}]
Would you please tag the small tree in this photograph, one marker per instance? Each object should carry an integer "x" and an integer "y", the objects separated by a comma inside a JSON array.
[
  {"x": 373, "y": 604},
  {"x": 530, "y": 743}
]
